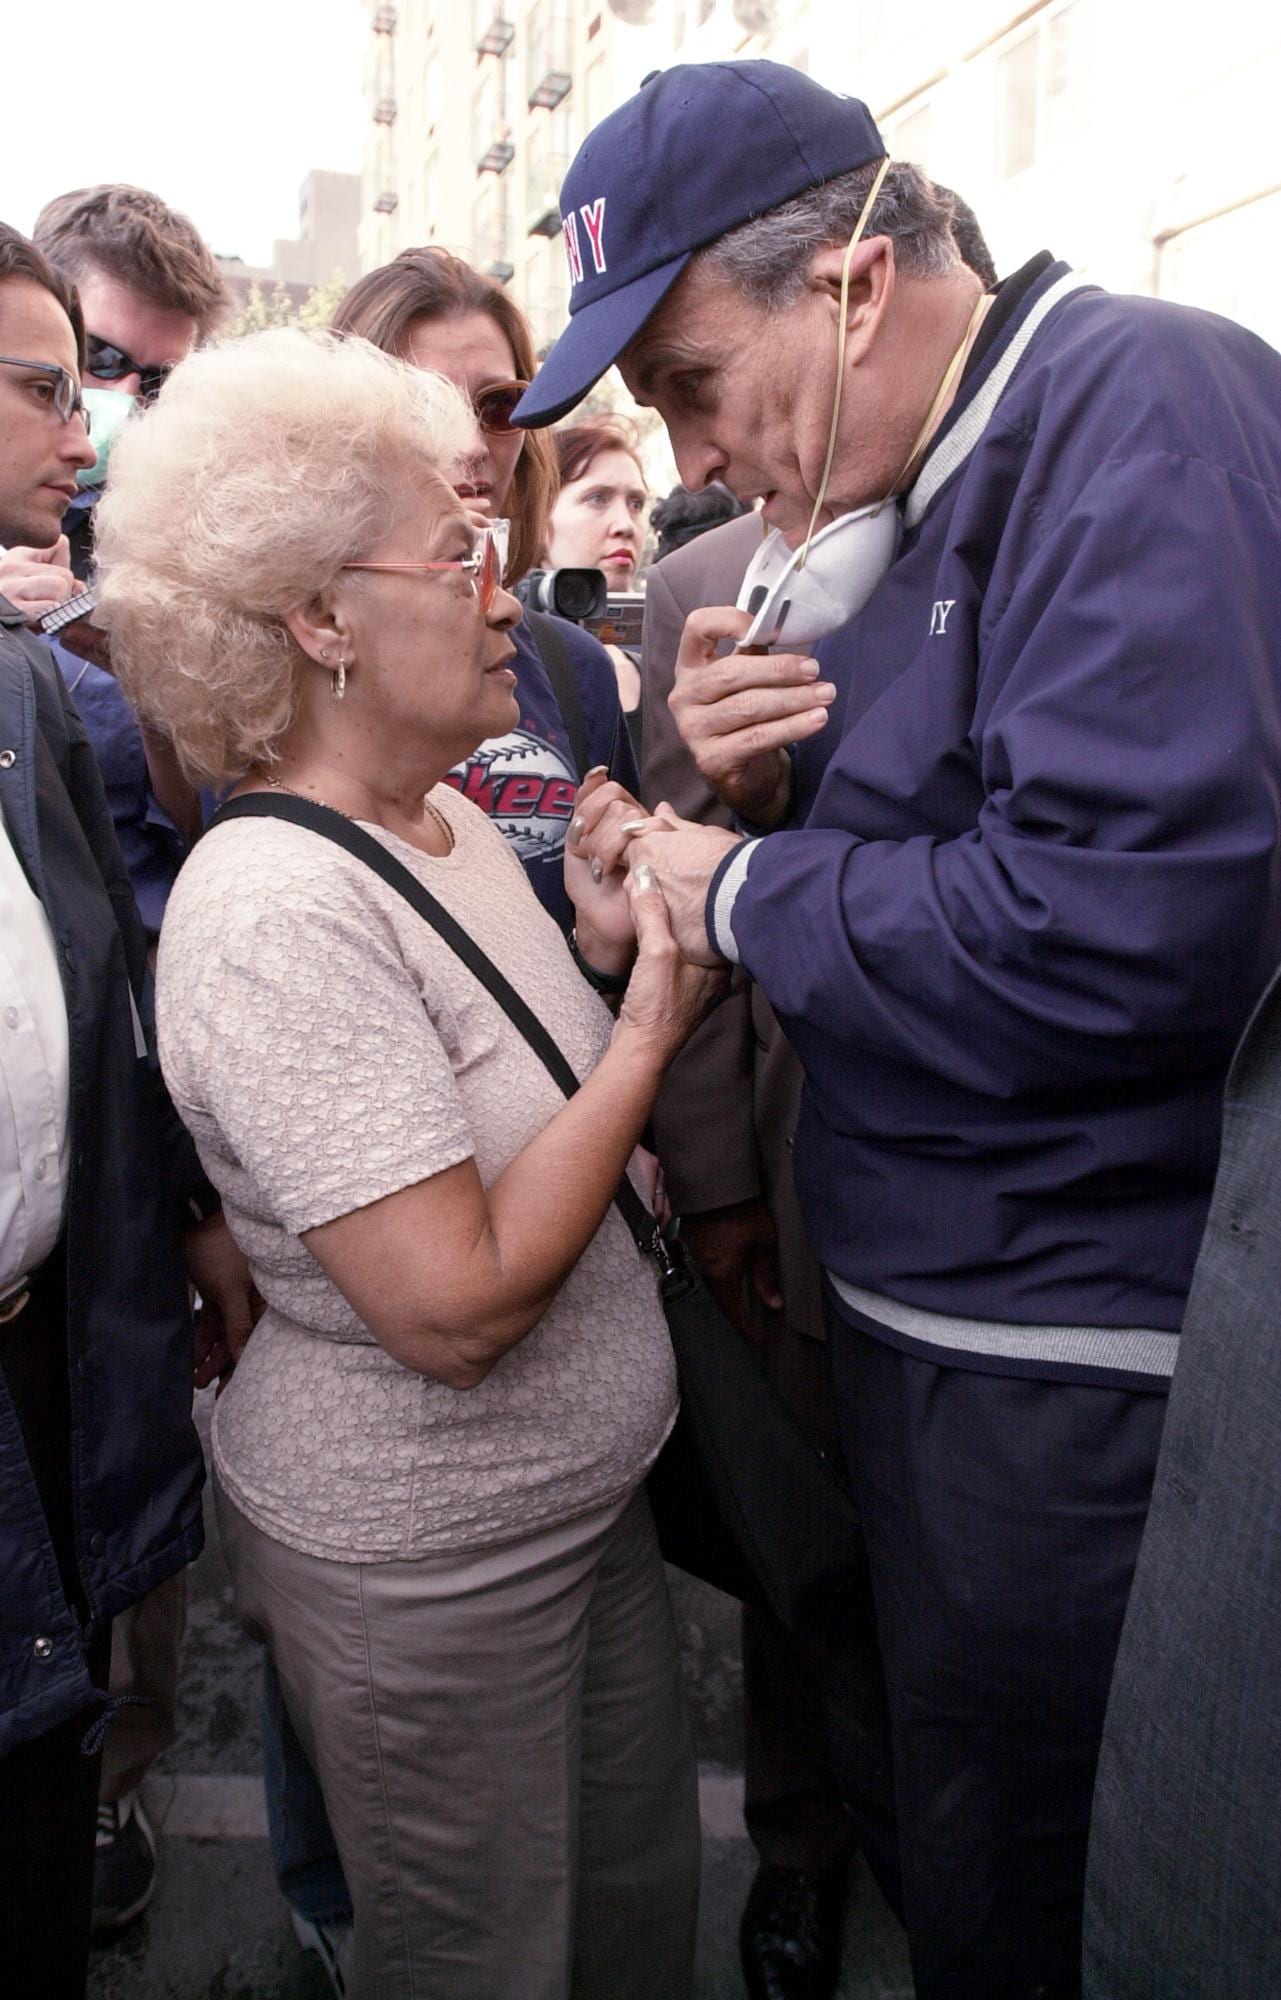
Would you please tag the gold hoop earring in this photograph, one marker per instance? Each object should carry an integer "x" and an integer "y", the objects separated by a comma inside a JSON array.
[{"x": 338, "y": 681}]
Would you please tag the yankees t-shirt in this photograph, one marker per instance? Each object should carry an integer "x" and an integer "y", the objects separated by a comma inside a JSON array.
[{"x": 526, "y": 780}]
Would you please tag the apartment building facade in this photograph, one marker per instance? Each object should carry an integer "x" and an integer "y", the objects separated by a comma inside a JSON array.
[
  {"x": 475, "y": 110},
  {"x": 1141, "y": 143}
]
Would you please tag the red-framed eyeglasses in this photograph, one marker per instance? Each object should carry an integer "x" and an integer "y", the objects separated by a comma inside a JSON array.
[{"x": 484, "y": 565}]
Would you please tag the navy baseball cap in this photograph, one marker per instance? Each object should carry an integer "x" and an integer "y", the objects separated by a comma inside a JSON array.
[{"x": 699, "y": 149}]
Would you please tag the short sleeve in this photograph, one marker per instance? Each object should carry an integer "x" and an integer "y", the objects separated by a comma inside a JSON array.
[{"x": 297, "y": 1028}]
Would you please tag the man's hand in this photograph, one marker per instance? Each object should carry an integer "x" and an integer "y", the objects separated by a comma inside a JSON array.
[
  {"x": 647, "y": 1168},
  {"x": 736, "y": 1250},
  {"x": 738, "y": 714},
  {"x": 684, "y": 858},
  {"x": 229, "y": 1304},
  {"x": 35, "y": 580}
]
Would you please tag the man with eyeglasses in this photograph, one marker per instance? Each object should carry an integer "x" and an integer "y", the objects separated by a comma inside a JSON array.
[
  {"x": 1011, "y": 886},
  {"x": 149, "y": 290},
  {"x": 100, "y": 1196}
]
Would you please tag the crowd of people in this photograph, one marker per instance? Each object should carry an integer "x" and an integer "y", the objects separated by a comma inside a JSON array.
[{"x": 900, "y": 927}]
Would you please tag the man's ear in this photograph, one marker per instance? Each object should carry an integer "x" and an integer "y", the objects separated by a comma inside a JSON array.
[{"x": 872, "y": 278}]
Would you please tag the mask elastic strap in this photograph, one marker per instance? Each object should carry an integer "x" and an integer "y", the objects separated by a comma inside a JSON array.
[
  {"x": 944, "y": 390},
  {"x": 850, "y": 248}
]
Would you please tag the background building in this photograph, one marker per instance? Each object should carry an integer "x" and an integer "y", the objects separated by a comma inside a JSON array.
[
  {"x": 1142, "y": 143},
  {"x": 475, "y": 110},
  {"x": 325, "y": 248}
]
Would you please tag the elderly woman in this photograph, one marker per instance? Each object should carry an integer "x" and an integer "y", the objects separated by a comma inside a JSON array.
[
  {"x": 429, "y": 1459},
  {"x": 429, "y": 308}
]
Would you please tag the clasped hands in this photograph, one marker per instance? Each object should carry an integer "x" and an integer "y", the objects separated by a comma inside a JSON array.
[
  {"x": 612, "y": 836},
  {"x": 737, "y": 713}
]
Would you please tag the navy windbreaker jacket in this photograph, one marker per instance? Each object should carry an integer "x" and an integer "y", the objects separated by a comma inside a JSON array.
[{"x": 1037, "y": 889}]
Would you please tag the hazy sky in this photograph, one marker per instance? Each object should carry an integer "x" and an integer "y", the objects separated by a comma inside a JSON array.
[{"x": 221, "y": 107}]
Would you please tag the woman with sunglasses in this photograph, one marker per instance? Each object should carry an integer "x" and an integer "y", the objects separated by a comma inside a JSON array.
[
  {"x": 431, "y": 309},
  {"x": 430, "y": 1457}
]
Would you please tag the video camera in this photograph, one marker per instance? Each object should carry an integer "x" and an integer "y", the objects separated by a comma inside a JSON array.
[{"x": 584, "y": 598}]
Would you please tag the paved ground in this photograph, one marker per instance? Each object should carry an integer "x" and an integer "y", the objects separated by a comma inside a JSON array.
[{"x": 217, "y": 1929}]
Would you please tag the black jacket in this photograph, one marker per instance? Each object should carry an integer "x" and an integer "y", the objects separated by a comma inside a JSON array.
[{"x": 136, "y": 1464}]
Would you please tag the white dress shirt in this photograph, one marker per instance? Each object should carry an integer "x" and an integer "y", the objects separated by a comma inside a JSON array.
[{"x": 33, "y": 1077}]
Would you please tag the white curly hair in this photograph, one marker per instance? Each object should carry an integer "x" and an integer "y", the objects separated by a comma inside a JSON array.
[{"x": 266, "y": 464}]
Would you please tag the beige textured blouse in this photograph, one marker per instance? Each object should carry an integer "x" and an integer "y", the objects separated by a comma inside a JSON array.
[{"x": 326, "y": 1049}]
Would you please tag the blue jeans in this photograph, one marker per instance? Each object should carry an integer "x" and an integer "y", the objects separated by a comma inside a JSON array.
[{"x": 302, "y": 1847}]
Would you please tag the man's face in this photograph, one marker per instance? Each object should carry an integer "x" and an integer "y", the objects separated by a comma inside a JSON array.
[
  {"x": 746, "y": 396},
  {"x": 151, "y": 335},
  {"x": 40, "y": 453}
]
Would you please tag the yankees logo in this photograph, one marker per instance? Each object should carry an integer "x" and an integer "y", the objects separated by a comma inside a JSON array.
[
  {"x": 526, "y": 787},
  {"x": 593, "y": 215}
]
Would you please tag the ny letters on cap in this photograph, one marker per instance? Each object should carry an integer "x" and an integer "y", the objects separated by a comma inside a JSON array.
[{"x": 698, "y": 150}]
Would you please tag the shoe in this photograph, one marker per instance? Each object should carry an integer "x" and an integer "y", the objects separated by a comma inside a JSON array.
[
  {"x": 124, "y": 1864},
  {"x": 790, "y": 1936},
  {"x": 332, "y": 1945}
]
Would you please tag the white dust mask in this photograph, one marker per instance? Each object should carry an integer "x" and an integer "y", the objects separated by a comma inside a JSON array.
[
  {"x": 814, "y": 590},
  {"x": 106, "y": 411}
]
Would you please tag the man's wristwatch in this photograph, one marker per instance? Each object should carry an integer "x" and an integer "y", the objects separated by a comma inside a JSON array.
[{"x": 604, "y": 982}]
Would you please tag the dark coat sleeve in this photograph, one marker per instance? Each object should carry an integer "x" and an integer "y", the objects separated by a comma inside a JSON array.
[
  {"x": 89, "y": 800},
  {"x": 703, "y": 1120}
]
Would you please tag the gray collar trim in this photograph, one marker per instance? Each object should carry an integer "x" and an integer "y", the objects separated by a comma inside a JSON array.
[{"x": 974, "y": 419}]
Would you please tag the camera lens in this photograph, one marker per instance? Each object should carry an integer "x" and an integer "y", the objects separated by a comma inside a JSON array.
[{"x": 579, "y": 593}]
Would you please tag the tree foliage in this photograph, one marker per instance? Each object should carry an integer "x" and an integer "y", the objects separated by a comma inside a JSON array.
[{"x": 276, "y": 308}]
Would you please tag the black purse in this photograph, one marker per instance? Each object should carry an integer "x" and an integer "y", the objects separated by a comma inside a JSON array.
[{"x": 740, "y": 1496}]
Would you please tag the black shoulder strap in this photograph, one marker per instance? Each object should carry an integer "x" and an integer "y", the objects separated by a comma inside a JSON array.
[
  {"x": 555, "y": 655},
  {"x": 347, "y": 834}
]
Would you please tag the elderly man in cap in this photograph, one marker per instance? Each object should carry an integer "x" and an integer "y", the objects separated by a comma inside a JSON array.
[{"x": 1012, "y": 892}]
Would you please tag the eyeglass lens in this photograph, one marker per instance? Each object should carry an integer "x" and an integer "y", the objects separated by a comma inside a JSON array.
[
  {"x": 494, "y": 406},
  {"x": 490, "y": 573},
  {"x": 67, "y": 400},
  {"x": 113, "y": 364}
]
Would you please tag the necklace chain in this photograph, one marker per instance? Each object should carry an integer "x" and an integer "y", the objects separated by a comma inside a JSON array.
[{"x": 279, "y": 785}]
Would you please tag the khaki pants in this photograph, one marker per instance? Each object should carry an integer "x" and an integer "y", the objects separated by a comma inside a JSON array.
[{"x": 504, "y": 1754}]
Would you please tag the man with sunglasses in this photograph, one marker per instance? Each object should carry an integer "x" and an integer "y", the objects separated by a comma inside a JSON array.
[
  {"x": 1020, "y": 894},
  {"x": 149, "y": 290}
]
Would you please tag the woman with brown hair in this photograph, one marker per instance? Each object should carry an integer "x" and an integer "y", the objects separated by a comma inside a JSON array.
[
  {"x": 431, "y": 309},
  {"x": 598, "y": 516},
  {"x": 598, "y": 522}
]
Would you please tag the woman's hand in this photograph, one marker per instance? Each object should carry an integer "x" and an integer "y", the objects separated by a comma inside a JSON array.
[
  {"x": 666, "y": 996},
  {"x": 606, "y": 819}
]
